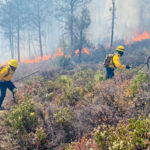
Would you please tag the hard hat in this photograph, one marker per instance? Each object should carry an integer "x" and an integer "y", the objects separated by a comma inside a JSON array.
[
  {"x": 120, "y": 48},
  {"x": 13, "y": 63}
]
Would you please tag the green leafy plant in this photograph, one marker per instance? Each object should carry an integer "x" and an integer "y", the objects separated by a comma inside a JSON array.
[
  {"x": 99, "y": 76},
  {"x": 23, "y": 118},
  {"x": 135, "y": 85},
  {"x": 64, "y": 116},
  {"x": 41, "y": 134},
  {"x": 131, "y": 136}
]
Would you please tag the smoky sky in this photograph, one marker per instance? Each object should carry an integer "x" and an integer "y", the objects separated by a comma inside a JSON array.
[{"x": 130, "y": 16}]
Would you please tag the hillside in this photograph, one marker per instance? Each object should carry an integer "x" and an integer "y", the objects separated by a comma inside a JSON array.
[{"x": 71, "y": 109}]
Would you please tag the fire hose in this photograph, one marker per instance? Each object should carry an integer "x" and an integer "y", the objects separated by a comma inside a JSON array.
[
  {"x": 147, "y": 63},
  {"x": 27, "y": 76}
]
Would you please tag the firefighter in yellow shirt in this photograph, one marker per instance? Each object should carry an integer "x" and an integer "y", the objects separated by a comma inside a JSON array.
[
  {"x": 115, "y": 62},
  {"x": 6, "y": 73}
]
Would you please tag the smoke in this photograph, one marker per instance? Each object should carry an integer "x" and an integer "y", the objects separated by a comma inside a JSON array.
[{"x": 130, "y": 16}]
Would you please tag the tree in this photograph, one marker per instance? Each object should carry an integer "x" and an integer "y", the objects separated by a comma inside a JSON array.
[
  {"x": 66, "y": 14},
  {"x": 13, "y": 20},
  {"x": 20, "y": 9},
  {"x": 7, "y": 23},
  {"x": 40, "y": 13},
  {"x": 81, "y": 24},
  {"x": 113, "y": 21}
]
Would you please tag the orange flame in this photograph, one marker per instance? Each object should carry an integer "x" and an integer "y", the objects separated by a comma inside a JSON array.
[
  {"x": 144, "y": 36},
  {"x": 77, "y": 52},
  {"x": 139, "y": 37},
  {"x": 84, "y": 50},
  {"x": 58, "y": 53},
  {"x": 37, "y": 59}
]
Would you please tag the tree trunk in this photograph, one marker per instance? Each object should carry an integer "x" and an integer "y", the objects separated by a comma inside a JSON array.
[
  {"x": 71, "y": 26},
  {"x": 80, "y": 46},
  {"x": 18, "y": 39},
  {"x": 40, "y": 41},
  {"x": 11, "y": 47},
  {"x": 11, "y": 44},
  {"x": 29, "y": 42},
  {"x": 113, "y": 21},
  {"x": 39, "y": 30},
  {"x": 11, "y": 41}
]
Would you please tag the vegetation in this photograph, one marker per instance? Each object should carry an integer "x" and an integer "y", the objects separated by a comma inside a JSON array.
[
  {"x": 79, "y": 109},
  {"x": 69, "y": 105},
  {"x": 133, "y": 134}
]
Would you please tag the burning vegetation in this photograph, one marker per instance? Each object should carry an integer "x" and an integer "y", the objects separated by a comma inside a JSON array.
[{"x": 63, "y": 100}]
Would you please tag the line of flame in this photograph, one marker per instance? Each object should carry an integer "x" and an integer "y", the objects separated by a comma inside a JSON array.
[
  {"x": 58, "y": 53},
  {"x": 139, "y": 37}
]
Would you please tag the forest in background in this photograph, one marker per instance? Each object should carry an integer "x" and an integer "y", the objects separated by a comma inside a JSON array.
[{"x": 68, "y": 104}]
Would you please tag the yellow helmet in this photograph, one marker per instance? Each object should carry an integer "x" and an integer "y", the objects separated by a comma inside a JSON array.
[
  {"x": 120, "y": 48},
  {"x": 13, "y": 63}
]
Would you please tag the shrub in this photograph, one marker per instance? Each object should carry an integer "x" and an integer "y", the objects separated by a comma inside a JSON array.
[
  {"x": 135, "y": 85},
  {"x": 65, "y": 80},
  {"x": 41, "y": 135},
  {"x": 131, "y": 136},
  {"x": 50, "y": 86},
  {"x": 29, "y": 82},
  {"x": 70, "y": 95},
  {"x": 23, "y": 118},
  {"x": 64, "y": 62},
  {"x": 49, "y": 96},
  {"x": 64, "y": 116},
  {"x": 84, "y": 75},
  {"x": 99, "y": 76}
]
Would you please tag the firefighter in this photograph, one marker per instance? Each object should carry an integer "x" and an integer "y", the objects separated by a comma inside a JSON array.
[
  {"x": 6, "y": 73},
  {"x": 115, "y": 62}
]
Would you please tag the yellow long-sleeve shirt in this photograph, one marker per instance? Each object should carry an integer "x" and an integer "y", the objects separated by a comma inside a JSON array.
[
  {"x": 115, "y": 62},
  {"x": 6, "y": 74}
]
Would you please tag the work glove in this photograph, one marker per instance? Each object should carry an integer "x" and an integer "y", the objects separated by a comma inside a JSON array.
[{"x": 128, "y": 67}]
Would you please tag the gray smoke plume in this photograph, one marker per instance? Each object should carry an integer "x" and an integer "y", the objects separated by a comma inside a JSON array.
[{"x": 130, "y": 16}]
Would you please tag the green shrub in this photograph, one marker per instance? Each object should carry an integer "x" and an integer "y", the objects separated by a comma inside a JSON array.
[
  {"x": 49, "y": 96},
  {"x": 64, "y": 116},
  {"x": 50, "y": 85},
  {"x": 99, "y": 76},
  {"x": 64, "y": 62},
  {"x": 130, "y": 136},
  {"x": 68, "y": 92},
  {"x": 34, "y": 91},
  {"x": 29, "y": 82},
  {"x": 89, "y": 86},
  {"x": 65, "y": 80},
  {"x": 70, "y": 95},
  {"x": 135, "y": 85},
  {"x": 84, "y": 76},
  {"x": 41, "y": 134},
  {"x": 23, "y": 118}
]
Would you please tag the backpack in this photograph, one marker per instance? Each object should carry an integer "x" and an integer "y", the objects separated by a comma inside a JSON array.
[
  {"x": 4, "y": 66},
  {"x": 108, "y": 59}
]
